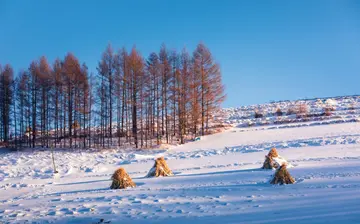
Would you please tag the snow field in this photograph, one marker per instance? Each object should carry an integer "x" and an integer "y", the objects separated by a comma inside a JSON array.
[{"x": 216, "y": 180}]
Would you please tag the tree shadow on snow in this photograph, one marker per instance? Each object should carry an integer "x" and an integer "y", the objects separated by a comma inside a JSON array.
[
  {"x": 78, "y": 191},
  {"x": 222, "y": 172},
  {"x": 84, "y": 182},
  {"x": 138, "y": 184}
]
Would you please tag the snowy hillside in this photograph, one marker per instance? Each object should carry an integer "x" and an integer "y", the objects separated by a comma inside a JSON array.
[
  {"x": 217, "y": 179},
  {"x": 323, "y": 111}
]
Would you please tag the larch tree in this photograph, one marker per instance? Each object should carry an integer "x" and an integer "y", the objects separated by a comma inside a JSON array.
[
  {"x": 165, "y": 77},
  {"x": 208, "y": 73},
  {"x": 57, "y": 77},
  {"x": 84, "y": 108},
  {"x": 23, "y": 91},
  {"x": 153, "y": 69},
  {"x": 34, "y": 86},
  {"x": 106, "y": 71},
  {"x": 136, "y": 68},
  {"x": 6, "y": 86},
  {"x": 174, "y": 93},
  {"x": 71, "y": 69},
  {"x": 45, "y": 81},
  {"x": 183, "y": 81}
]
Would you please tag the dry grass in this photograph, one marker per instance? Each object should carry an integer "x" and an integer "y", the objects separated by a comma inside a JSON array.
[
  {"x": 160, "y": 168},
  {"x": 282, "y": 176},
  {"x": 121, "y": 180}
]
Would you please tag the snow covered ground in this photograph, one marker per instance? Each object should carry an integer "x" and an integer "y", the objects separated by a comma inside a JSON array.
[
  {"x": 217, "y": 180},
  {"x": 342, "y": 109}
]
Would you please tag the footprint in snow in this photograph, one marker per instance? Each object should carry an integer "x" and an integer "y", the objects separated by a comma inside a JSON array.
[
  {"x": 51, "y": 213},
  {"x": 109, "y": 212},
  {"x": 102, "y": 221},
  {"x": 67, "y": 211},
  {"x": 138, "y": 184},
  {"x": 299, "y": 180},
  {"x": 143, "y": 196},
  {"x": 85, "y": 210}
]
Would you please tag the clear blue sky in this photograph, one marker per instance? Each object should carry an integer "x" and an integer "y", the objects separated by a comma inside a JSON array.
[{"x": 268, "y": 50}]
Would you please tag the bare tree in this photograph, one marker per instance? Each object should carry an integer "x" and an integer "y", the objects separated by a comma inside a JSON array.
[{"x": 6, "y": 86}]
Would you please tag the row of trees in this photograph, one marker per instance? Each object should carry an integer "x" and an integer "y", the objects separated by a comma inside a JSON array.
[{"x": 130, "y": 101}]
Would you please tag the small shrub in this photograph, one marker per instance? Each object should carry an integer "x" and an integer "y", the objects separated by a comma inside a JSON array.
[
  {"x": 290, "y": 111},
  {"x": 302, "y": 110},
  {"x": 279, "y": 112},
  {"x": 328, "y": 111},
  {"x": 258, "y": 114}
]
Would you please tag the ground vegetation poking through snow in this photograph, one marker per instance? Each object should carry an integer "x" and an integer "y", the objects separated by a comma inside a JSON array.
[
  {"x": 121, "y": 180},
  {"x": 320, "y": 111},
  {"x": 160, "y": 168}
]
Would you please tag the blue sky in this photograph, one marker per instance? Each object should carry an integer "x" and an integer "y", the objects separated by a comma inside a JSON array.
[{"x": 268, "y": 50}]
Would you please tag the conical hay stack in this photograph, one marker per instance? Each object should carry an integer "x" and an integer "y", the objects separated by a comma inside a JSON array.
[
  {"x": 269, "y": 163},
  {"x": 160, "y": 168},
  {"x": 282, "y": 176},
  {"x": 121, "y": 180},
  {"x": 273, "y": 153}
]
